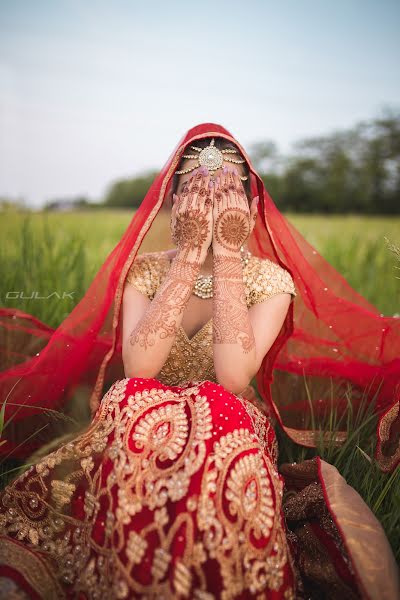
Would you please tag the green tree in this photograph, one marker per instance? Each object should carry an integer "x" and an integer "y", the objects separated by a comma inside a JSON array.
[{"x": 129, "y": 193}]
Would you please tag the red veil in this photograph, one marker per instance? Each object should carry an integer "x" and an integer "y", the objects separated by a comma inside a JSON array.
[{"x": 334, "y": 349}]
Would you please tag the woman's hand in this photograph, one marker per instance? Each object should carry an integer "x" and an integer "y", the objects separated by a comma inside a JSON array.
[
  {"x": 232, "y": 216},
  {"x": 231, "y": 213},
  {"x": 233, "y": 335},
  {"x": 191, "y": 215}
]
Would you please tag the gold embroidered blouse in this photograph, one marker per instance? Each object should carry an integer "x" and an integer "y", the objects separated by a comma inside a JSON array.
[{"x": 191, "y": 359}]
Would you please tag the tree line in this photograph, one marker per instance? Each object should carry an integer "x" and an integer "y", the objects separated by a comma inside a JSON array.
[{"x": 355, "y": 170}]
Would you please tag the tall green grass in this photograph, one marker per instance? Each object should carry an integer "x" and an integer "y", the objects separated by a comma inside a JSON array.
[
  {"x": 355, "y": 461},
  {"x": 62, "y": 252},
  {"x": 49, "y": 252}
]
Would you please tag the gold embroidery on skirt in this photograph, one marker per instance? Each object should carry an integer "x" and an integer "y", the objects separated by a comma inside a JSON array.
[
  {"x": 141, "y": 451},
  {"x": 153, "y": 456},
  {"x": 249, "y": 531},
  {"x": 33, "y": 569},
  {"x": 262, "y": 426}
]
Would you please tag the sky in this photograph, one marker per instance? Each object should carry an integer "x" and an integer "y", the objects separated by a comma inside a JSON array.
[{"x": 91, "y": 92}]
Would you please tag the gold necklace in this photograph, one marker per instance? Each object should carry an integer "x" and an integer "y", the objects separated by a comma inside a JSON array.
[{"x": 203, "y": 287}]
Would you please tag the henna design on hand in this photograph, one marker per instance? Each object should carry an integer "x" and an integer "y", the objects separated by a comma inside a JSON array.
[
  {"x": 185, "y": 189},
  {"x": 161, "y": 318},
  {"x": 231, "y": 324},
  {"x": 232, "y": 228},
  {"x": 240, "y": 191},
  {"x": 208, "y": 201},
  {"x": 218, "y": 195},
  {"x": 191, "y": 230}
]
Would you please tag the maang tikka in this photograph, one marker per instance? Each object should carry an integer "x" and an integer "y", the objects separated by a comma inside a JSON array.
[{"x": 213, "y": 158}]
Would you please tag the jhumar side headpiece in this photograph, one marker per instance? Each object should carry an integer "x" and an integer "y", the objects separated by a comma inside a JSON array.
[{"x": 212, "y": 158}]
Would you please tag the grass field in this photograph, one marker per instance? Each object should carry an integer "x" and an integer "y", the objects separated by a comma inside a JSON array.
[{"x": 63, "y": 251}]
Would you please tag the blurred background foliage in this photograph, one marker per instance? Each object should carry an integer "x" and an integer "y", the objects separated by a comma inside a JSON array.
[{"x": 348, "y": 171}]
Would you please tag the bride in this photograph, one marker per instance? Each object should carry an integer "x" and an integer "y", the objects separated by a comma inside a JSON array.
[{"x": 173, "y": 491}]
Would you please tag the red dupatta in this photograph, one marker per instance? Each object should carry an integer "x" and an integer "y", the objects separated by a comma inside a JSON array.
[{"x": 334, "y": 348}]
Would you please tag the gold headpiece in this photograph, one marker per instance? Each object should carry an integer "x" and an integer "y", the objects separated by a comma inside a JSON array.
[{"x": 212, "y": 158}]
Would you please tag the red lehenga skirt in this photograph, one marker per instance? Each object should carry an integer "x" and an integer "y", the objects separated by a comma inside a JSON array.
[{"x": 171, "y": 493}]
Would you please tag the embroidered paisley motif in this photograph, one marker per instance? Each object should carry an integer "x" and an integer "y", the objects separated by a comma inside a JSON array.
[
  {"x": 157, "y": 499},
  {"x": 239, "y": 513}
]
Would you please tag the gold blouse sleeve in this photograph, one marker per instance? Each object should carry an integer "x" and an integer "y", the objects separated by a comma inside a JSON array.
[
  {"x": 146, "y": 273},
  {"x": 266, "y": 279}
]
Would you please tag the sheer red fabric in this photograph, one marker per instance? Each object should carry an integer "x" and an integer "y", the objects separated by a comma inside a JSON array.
[{"x": 334, "y": 349}]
